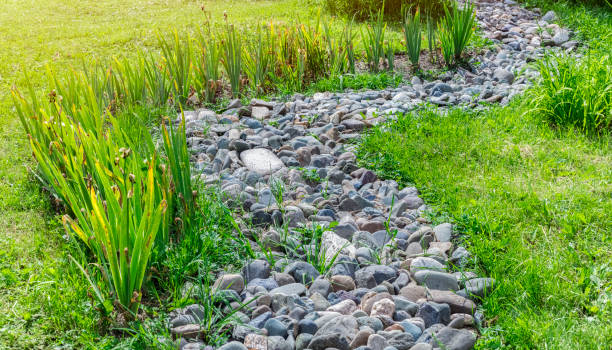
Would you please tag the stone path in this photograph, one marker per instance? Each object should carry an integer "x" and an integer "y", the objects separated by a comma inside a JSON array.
[{"x": 395, "y": 282}]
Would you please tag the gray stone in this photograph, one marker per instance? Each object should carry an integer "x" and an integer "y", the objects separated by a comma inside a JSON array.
[
  {"x": 233, "y": 282},
  {"x": 443, "y": 232},
  {"x": 238, "y": 145},
  {"x": 440, "y": 88},
  {"x": 561, "y": 37},
  {"x": 412, "y": 329},
  {"x": 330, "y": 340},
  {"x": 377, "y": 342},
  {"x": 345, "y": 265},
  {"x": 412, "y": 202},
  {"x": 267, "y": 283},
  {"x": 336, "y": 333},
  {"x": 480, "y": 286},
  {"x": 454, "y": 339},
  {"x": 307, "y": 326},
  {"x": 233, "y": 346},
  {"x": 290, "y": 289},
  {"x": 261, "y": 161},
  {"x": 294, "y": 216},
  {"x": 404, "y": 304},
  {"x": 460, "y": 256},
  {"x": 260, "y": 112},
  {"x": 332, "y": 244},
  {"x": 436, "y": 280},
  {"x": 321, "y": 286},
  {"x": 503, "y": 76},
  {"x": 371, "y": 322},
  {"x": 256, "y": 269},
  {"x": 433, "y": 313},
  {"x": 320, "y": 302},
  {"x": 371, "y": 276},
  {"x": 401, "y": 341},
  {"x": 261, "y": 218},
  {"x": 194, "y": 346},
  {"x": 279, "y": 343},
  {"x": 275, "y": 328},
  {"x": 425, "y": 263},
  {"x": 421, "y": 346},
  {"x": 457, "y": 303},
  {"x": 260, "y": 321},
  {"x": 346, "y": 230},
  {"x": 302, "y": 272},
  {"x": 182, "y": 320},
  {"x": 364, "y": 239},
  {"x": 302, "y": 341},
  {"x": 550, "y": 16}
]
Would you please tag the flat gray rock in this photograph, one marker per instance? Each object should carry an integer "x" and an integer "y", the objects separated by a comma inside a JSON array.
[
  {"x": 454, "y": 339},
  {"x": 261, "y": 161},
  {"x": 443, "y": 232},
  {"x": 561, "y": 37},
  {"x": 437, "y": 280},
  {"x": 290, "y": 289}
]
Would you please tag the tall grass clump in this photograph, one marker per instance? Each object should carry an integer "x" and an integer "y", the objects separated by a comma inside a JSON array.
[
  {"x": 232, "y": 57},
  {"x": 290, "y": 67},
  {"x": 576, "y": 93},
  {"x": 412, "y": 34},
  {"x": 432, "y": 37},
  {"x": 318, "y": 57},
  {"x": 120, "y": 193},
  {"x": 258, "y": 60},
  {"x": 228, "y": 60},
  {"x": 340, "y": 51},
  {"x": 348, "y": 37},
  {"x": 374, "y": 41},
  {"x": 455, "y": 31},
  {"x": 177, "y": 59},
  {"x": 112, "y": 194},
  {"x": 208, "y": 65}
]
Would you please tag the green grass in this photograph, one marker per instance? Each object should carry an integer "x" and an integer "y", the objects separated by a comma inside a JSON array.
[
  {"x": 534, "y": 205},
  {"x": 576, "y": 93},
  {"x": 533, "y": 201},
  {"x": 591, "y": 23},
  {"x": 43, "y": 298}
]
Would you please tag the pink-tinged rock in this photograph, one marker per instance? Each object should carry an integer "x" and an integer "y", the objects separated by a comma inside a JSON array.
[
  {"x": 361, "y": 338},
  {"x": 345, "y": 307},
  {"x": 413, "y": 293},
  {"x": 341, "y": 282},
  {"x": 383, "y": 307},
  {"x": 371, "y": 298},
  {"x": 230, "y": 281},
  {"x": 256, "y": 342},
  {"x": 260, "y": 113}
]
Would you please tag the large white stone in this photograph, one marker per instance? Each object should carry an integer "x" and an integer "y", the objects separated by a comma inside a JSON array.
[
  {"x": 331, "y": 243},
  {"x": 261, "y": 161},
  {"x": 260, "y": 113}
]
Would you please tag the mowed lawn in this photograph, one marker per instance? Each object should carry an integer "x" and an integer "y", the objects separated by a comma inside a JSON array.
[{"x": 43, "y": 299}]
